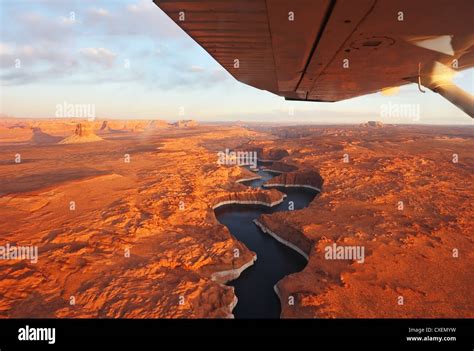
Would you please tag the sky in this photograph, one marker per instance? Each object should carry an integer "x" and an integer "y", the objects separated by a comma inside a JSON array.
[{"x": 130, "y": 61}]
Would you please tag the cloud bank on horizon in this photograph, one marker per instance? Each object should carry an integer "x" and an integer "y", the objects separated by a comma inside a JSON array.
[{"x": 131, "y": 61}]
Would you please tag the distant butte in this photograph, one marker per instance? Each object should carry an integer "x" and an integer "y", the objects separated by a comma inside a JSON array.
[
  {"x": 376, "y": 124},
  {"x": 83, "y": 134},
  {"x": 185, "y": 123}
]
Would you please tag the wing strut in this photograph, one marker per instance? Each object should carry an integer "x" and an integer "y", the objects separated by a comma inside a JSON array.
[{"x": 456, "y": 95}]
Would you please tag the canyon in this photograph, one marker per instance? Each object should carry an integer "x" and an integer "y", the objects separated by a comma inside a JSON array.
[{"x": 137, "y": 236}]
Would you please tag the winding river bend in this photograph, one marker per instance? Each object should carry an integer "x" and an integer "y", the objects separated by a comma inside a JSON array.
[{"x": 255, "y": 286}]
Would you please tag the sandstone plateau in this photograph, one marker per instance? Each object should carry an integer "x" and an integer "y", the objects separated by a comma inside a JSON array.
[{"x": 125, "y": 226}]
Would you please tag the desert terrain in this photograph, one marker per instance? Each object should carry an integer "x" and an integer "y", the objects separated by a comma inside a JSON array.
[{"x": 122, "y": 214}]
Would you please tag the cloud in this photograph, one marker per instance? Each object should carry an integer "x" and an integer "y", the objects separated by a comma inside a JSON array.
[
  {"x": 134, "y": 8},
  {"x": 27, "y": 74},
  {"x": 196, "y": 77},
  {"x": 67, "y": 21},
  {"x": 30, "y": 57},
  {"x": 98, "y": 11},
  {"x": 142, "y": 18},
  {"x": 34, "y": 27},
  {"x": 100, "y": 56},
  {"x": 5, "y": 49},
  {"x": 197, "y": 69},
  {"x": 54, "y": 46},
  {"x": 141, "y": 6}
]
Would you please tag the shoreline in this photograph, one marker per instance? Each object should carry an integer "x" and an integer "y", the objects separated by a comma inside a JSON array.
[
  {"x": 267, "y": 230},
  {"x": 233, "y": 274},
  {"x": 247, "y": 179},
  {"x": 249, "y": 202},
  {"x": 275, "y": 185},
  {"x": 223, "y": 277}
]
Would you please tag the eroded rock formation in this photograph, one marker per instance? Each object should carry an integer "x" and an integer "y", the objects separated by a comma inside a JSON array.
[{"x": 83, "y": 134}]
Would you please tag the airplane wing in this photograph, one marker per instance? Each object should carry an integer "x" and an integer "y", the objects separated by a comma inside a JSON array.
[{"x": 332, "y": 50}]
